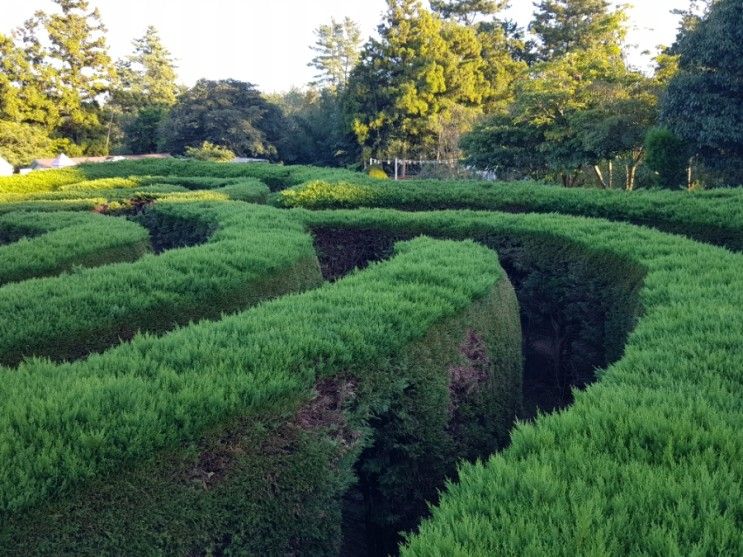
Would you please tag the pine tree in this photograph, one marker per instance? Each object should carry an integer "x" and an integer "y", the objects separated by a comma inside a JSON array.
[
  {"x": 337, "y": 47},
  {"x": 148, "y": 74},
  {"x": 76, "y": 67},
  {"x": 564, "y": 26},
  {"x": 419, "y": 85}
]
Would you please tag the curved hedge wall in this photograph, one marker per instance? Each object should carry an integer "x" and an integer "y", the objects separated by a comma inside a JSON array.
[
  {"x": 246, "y": 434},
  {"x": 646, "y": 460},
  {"x": 47, "y": 244},
  {"x": 249, "y": 253},
  {"x": 209, "y": 420},
  {"x": 714, "y": 217}
]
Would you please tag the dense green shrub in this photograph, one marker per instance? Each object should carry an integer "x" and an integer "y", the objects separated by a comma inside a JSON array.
[
  {"x": 213, "y": 431},
  {"x": 276, "y": 176},
  {"x": 49, "y": 243},
  {"x": 250, "y": 190},
  {"x": 378, "y": 173},
  {"x": 40, "y": 180},
  {"x": 208, "y": 151},
  {"x": 244, "y": 434}
]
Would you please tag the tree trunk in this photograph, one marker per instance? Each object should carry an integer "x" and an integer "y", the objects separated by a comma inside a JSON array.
[
  {"x": 632, "y": 168},
  {"x": 611, "y": 174},
  {"x": 688, "y": 174},
  {"x": 599, "y": 176},
  {"x": 631, "y": 176}
]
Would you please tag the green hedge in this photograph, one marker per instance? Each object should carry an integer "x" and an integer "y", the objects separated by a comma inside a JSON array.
[
  {"x": 50, "y": 206},
  {"x": 48, "y": 243},
  {"x": 648, "y": 459},
  {"x": 714, "y": 217},
  {"x": 241, "y": 435},
  {"x": 275, "y": 176},
  {"x": 40, "y": 180},
  {"x": 250, "y": 253}
]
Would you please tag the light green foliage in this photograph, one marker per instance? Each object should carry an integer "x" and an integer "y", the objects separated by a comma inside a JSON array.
[
  {"x": 208, "y": 151},
  {"x": 422, "y": 82},
  {"x": 318, "y": 194},
  {"x": 24, "y": 83},
  {"x": 21, "y": 143},
  {"x": 564, "y": 26},
  {"x": 248, "y": 190},
  {"x": 67, "y": 317},
  {"x": 250, "y": 364},
  {"x": 147, "y": 76},
  {"x": 81, "y": 70},
  {"x": 466, "y": 11},
  {"x": 39, "y": 181},
  {"x": 48, "y": 244},
  {"x": 378, "y": 173},
  {"x": 169, "y": 443},
  {"x": 277, "y": 177},
  {"x": 579, "y": 106}
]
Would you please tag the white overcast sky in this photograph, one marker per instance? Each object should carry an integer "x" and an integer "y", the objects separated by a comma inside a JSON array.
[{"x": 267, "y": 42}]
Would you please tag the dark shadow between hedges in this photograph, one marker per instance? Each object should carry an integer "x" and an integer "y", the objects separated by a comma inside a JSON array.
[{"x": 577, "y": 309}]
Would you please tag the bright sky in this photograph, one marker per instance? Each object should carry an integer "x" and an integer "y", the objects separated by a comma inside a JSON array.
[{"x": 266, "y": 42}]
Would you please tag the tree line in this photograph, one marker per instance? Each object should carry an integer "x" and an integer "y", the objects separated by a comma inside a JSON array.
[{"x": 448, "y": 79}]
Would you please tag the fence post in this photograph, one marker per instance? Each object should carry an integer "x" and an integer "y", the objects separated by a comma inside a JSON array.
[{"x": 395, "y": 168}]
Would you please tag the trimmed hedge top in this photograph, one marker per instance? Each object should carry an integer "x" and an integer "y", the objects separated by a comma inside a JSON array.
[
  {"x": 63, "y": 423},
  {"x": 710, "y": 216},
  {"x": 49, "y": 243},
  {"x": 250, "y": 253},
  {"x": 648, "y": 460}
]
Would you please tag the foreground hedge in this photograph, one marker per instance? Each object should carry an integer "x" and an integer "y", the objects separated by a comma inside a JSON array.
[
  {"x": 251, "y": 253},
  {"x": 648, "y": 459},
  {"x": 714, "y": 217},
  {"x": 47, "y": 244},
  {"x": 241, "y": 435}
]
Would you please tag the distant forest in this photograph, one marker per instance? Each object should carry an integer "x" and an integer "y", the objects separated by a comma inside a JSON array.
[{"x": 445, "y": 80}]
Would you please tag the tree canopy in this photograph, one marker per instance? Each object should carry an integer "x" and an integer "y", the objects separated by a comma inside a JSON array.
[
  {"x": 337, "y": 52},
  {"x": 228, "y": 113},
  {"x": 704, "y": 102}
]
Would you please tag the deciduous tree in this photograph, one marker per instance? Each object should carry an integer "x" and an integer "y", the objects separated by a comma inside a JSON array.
[{"x": 229, "y": 113}]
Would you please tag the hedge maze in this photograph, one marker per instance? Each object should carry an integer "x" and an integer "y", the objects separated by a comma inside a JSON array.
[{"x": 196, "y": 360}]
